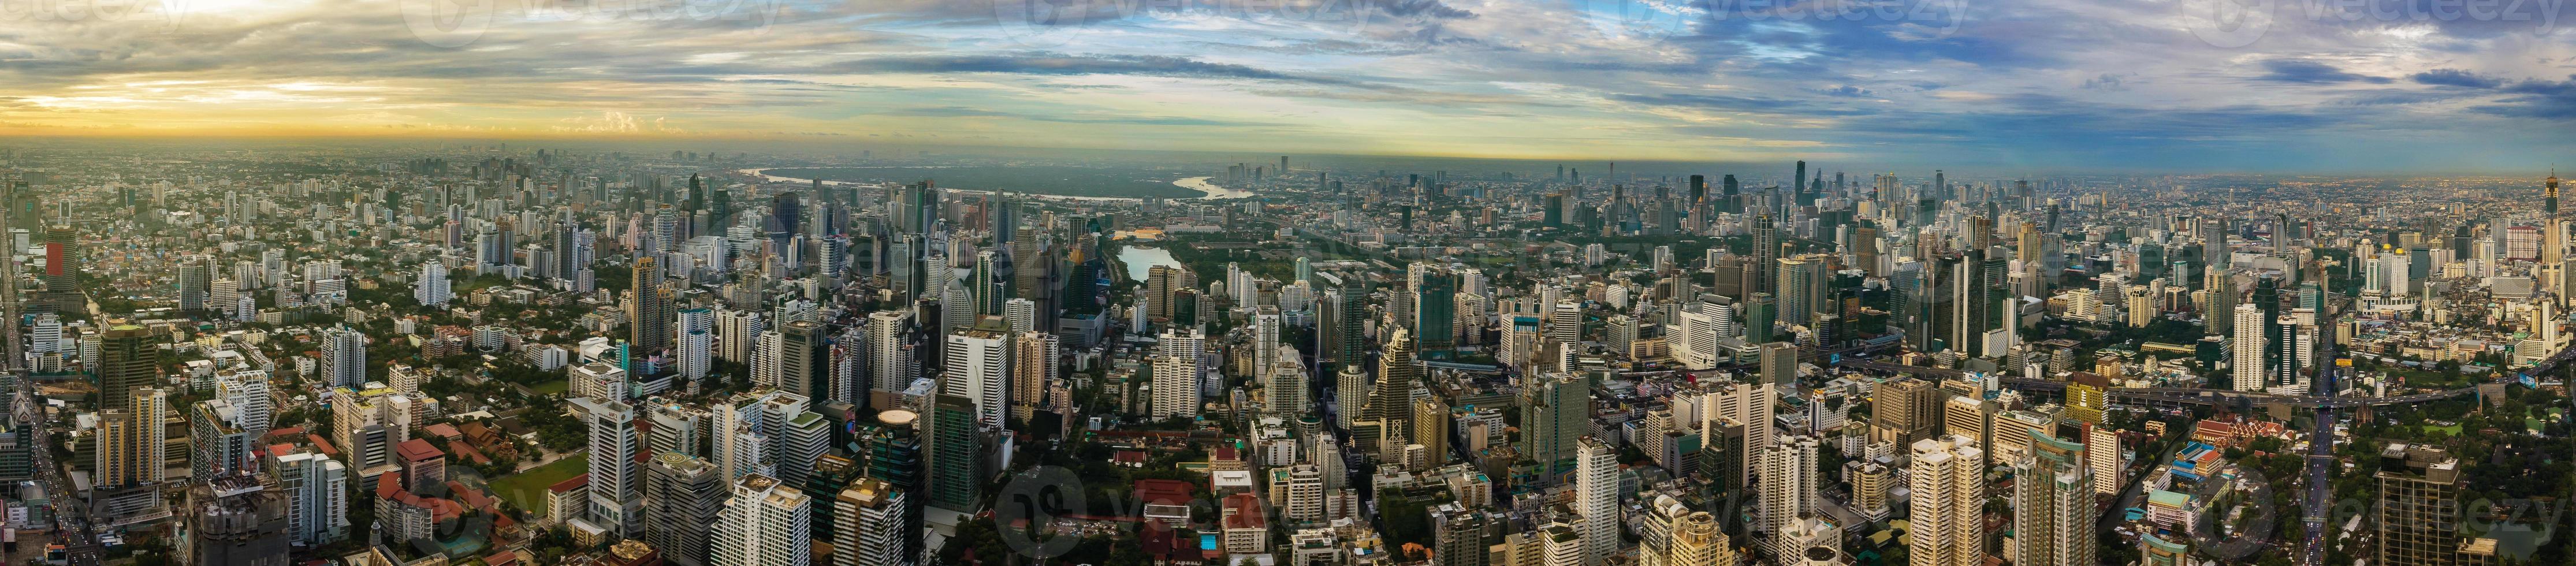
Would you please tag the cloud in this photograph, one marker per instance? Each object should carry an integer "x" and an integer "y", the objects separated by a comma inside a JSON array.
[
  {"x": 2312, "y": 72},
  {"x": 2455, "y": 77}
]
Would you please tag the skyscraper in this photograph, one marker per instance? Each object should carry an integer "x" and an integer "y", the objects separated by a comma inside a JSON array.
[
  {"x": 127, "y": 359},
  {"x": 766, "y": 522},
  {"x": 1554, "y": 411},
  {"x": 870, "y": 525},
  {"x": 2053, "y": 503},
  {"x": 344, "y": 357},
  {"x": 649, "y": 323},
  {"x": 1596, "y": 497},
  {"x": 1948, "y": 483},
  {"x": 1788, "y": 488},
  {"x": 978, "y": 361},
  {"x": 1435, "y": 314},
  {"x": 687, "y": 495},
  {"x": 954, "y": 437},
  {"x": 615, "y": 489},
  {"x": 431, "y": 290}
]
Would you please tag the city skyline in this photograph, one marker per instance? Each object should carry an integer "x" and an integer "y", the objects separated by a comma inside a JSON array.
[{"x": 2014, "y": 85}]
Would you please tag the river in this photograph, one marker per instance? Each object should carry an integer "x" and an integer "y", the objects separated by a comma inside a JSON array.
[{"x": 1206, "y": 189}]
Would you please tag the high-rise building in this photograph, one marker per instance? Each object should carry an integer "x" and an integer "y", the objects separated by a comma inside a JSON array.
[
  {"x": 132, "y": 441},
  {"x": 870, "y": 525},
  {"x": 317, "y": 496},
  {"x": 1435, "y": 313},
  {"x": 1555, "y": 412},
  {"x": 431, "y": 288},
  {"x": 651, "y": 315},
  {"x": 978, "y": 362},
  {"x": 804, "y": 361},
  {"x": 1788, "y": 489},
  {"x": 1596, "y": 497},
  {"x": 686, "y": 496},
  {"x": 696, "y": 346},
  {"x": 1903, "y": 411},
  {"x": 2053, "y": 503},
  {"x": 1780, "y": 364},
  {"x": 953, "y": 450},
  {"x": 766, "y": 522},
  {"x": 1949, "y": 502},
  {"x": 615, "y": 487},
  {"x": 1032, "y": 373},
  {"x": 2419, "y": 506},
  {"x": 235, "y": 520},
  {"x": 344, "y": 357},
  {"x": 127, "y": 359}
]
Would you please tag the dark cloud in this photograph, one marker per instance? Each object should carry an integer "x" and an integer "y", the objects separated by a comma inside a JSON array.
[
  {"x": 2311, "y": 72},
  {"x": 2456, "y": 77}
]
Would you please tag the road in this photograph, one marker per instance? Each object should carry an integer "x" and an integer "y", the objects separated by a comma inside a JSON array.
[
  {"x": 78, "y": 536},
  {"x": 2185, "y": 394}
]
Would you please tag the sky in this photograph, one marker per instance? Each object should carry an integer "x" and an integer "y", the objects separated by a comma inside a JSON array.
[{"x": 2366, "y": 86}]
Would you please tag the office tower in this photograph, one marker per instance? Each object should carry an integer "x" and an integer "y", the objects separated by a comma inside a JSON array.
[
  {"x": 2250, "y": 365},
  {"x": 891, "y": 365},
  {"x": 870, "y": 525},
  {"x": 990, "y": 282},
  {"x": 1788, "y": 489},
  {"x": 132, "y": 443},
  {"x": 954, "y": 437},
  {"x": 1348, "y": 344},
  {"x": 1780, "y": 364},
  {"x": 62, "y": 266},
  {"x": 1596, "y": 497},
  {"x": 1759, "y": 314},
  {"x": 1429, "y": 427},
  {"x": 1747, "y": 404},
  {"x": 127, "y": 359},
  {"x": 431, "y": 289},
  {"x": 614, "y": 487},
  {"x": 1435, "y": 313},
  {"x": 696, "y": 344},
  {"x": 235, "y": 520},
  {"x": 1904, "y": 411},
  {"x": 651, "y": 316},
  {"x": 680, "y": 429},
  {"x": 1265, "y": 336},
  {"x": 977, "y": 360},
  {"x": 805, "y": 363},
  {"x": 687, "y": 495},
  {"x": 1556, "y": 410},
  {"x": 2419, "y": 508},
  {"x": 1800, "y": 288},
  {"x": 1766, "y": 241},
  {"x": 1351, "y": 387},
  {"x": 344, "y": 357},
  {"x": 1949, "y": 502},
  {"x": 2053, "y": 503},
  {"x": 1388, "y": 402},
  {"x": 766, "y": 522},
  {"x": 1032, "y": 372},
  {"x": 317, "y": 496},
  {"x": 1697, "y": 332},
  {"x": 193, "y": 279}
]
